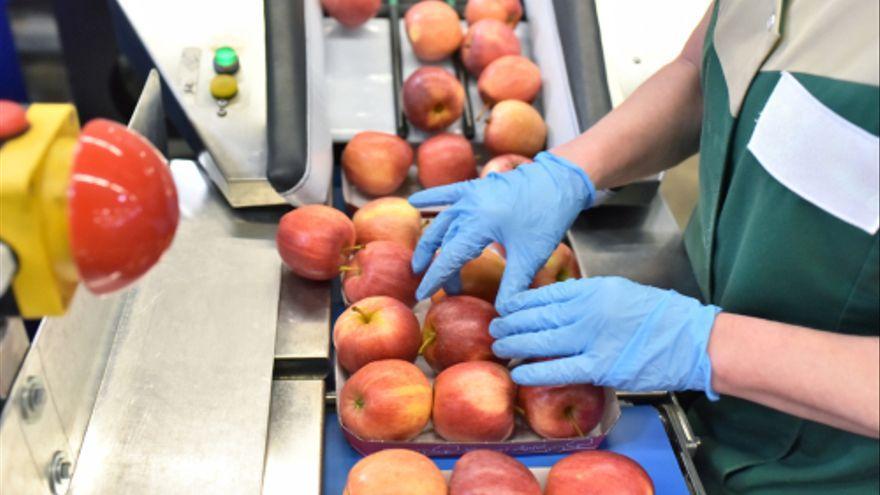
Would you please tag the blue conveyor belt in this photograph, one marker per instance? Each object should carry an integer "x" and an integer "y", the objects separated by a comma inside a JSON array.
[{"x": 639, "y": 434}]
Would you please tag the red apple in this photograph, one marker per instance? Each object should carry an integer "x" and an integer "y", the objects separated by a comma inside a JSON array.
[
  {"x": 386, "y": 400},
  {"x": 503, "y": 163},
  {"x": 481, "y": 277},
  {"x": 444, "y": 159},
  {"x": 598, "y": 472},
  {"x": 395, "y": 472},
  {"x": 560, "y": 266},
  {"x": 506, "y": 11},
  {"x": 484, "y": 472},
  {"x": 456, "y": 330},
  {"x": 432, "y": 98},
  {"x": 563, "y": 411},
  {"x": 434, "y": 30},
  {"x": 314, "y": 241},
  {"x": 515, "y": 127},
  {"x": 473, "y": 402},
  {"x": 381, "y": 268},
  {"x": 373, "y": 329},
  {"x": 377, "y": 162},
  {"x": 511, "y": 77},
  {"x": 351, "y": 13},
  {"x": 485, "y": 42},
  {"x": 388, "y": 219}
]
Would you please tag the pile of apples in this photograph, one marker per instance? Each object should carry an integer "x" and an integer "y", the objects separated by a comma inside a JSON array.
[
  {"x": 378, "y": 337},
  {"x": 481, "y": 472},
  {"x": 378, "y": 163}
]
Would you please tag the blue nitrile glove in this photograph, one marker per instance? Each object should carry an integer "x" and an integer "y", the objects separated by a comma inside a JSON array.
[
  {"x": 527, "y": 210},
  {"x": 608, "y": 331}
]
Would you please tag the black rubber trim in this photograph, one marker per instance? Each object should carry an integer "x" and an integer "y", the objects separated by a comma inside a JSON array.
[
  {"x": 286, "y": 94},
  {"x": 579, "y": 34},
  {"x": 397, "y": 71}
]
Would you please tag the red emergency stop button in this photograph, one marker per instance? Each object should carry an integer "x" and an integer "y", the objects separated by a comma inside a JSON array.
[
  {"x": 13, "y": 120},
  {"x": 122, "y": 206}
]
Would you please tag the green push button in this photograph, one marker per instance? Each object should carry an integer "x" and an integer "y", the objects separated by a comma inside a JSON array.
[{"x": 225, "y": 61}]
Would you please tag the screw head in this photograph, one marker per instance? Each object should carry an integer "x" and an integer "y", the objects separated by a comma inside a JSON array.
[
  {"x": 33, "y": 398},
  {"x": 59, "y": 473}
]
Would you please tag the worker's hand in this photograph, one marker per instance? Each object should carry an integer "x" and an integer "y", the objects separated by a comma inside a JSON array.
[
  {"x": 608, "y": 331},
  {"x": 527, "y": 210}
]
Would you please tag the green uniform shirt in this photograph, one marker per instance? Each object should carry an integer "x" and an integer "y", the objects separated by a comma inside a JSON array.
[{"x": 785, "y": 231}]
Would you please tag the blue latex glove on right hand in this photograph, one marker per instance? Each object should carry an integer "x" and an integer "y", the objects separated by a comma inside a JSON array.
[
  {"x": 527, "y": 210},
  {"x": 608, "y": 331}
]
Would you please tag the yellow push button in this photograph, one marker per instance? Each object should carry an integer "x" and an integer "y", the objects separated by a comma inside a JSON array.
[{"x": 224, "y": 87}]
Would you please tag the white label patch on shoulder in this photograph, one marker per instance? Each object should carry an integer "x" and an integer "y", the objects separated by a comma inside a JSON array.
[{"x": 819, "y": 155}]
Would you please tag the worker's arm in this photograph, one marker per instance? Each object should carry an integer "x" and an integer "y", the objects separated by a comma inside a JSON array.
[
  {"x": 821, "y": 376},
  {"x": 614, "y": 332},
  {"x": 655, "y": 128}
]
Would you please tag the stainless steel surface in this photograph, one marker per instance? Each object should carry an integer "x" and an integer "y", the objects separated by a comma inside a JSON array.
[
  {"x": 14, "y": 345},
  {"x": 148, "y": 117},
  {"x": 294, "y": 447},
  {"x": 687, "y": 442},
  {"x": 642, "y": 243},
  {"x": 235, "y": 143},
  {"x": 8, "y": 267},
  {"x": 302, "y": 340},
  {"x": 184, "y": 401}
]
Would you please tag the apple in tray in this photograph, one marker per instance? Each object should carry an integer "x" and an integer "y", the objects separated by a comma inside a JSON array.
[
  {"x": 481, "y": 277},
  {"x": 484, "y": 472},
  {"x": 598, "y": 472},
  {"x": 434, "y": 30},
  {"x": 381, "y": 268},
  {"x": 511, "y": 77},
  {"x": 388, "y": 219},
  {"x": 377, "y": 162},
  {"x": 486, "y": 41},
  {"x": 562, "y": 411},
  {"x": 473, "y": 402},
  {"x": 386, "y": 400},
  {"x": 560, "y": 266},
  {"x": 395, "y": 472},
  {"x": 314, "y": 241},
  {"x": 515, "y": 127},
  {"x": 351, "y": 13},
  {"x": 373, "y": 329},
  {"x": 456, "y": 330},
  {"x": 432, "y": 98},
  {"x": 503, "y": 163},
  {"x": 506, "y": 11},
  {"x": 444, "y": 159}
]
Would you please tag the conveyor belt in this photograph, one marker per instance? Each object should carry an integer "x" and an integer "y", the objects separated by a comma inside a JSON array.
[{"x": 639, "y": 434}]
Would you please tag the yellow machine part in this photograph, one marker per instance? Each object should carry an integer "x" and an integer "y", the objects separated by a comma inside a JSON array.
[{"x": 34, "y": 173}]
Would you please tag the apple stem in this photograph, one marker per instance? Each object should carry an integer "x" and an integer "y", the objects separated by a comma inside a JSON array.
[
  {"x": 570, "y": 416},
  {"x": 366, "y": 316},
  {"x": 353, "y": 249},
  {"x": 349, "y": 268},
  {"x": 429, "y": 339},
  {"x": 520, "y": 411}
]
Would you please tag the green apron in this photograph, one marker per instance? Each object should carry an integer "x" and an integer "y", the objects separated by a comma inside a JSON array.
[{"x": 760, "y": 249}]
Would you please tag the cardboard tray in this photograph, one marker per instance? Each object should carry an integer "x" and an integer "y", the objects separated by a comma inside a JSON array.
[{"x": 522, "y": 441}]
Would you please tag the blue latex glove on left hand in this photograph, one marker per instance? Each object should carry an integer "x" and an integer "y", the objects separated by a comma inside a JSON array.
[
  {"x": 527, "y": 210},
  {"x": 608, "y": 331}
]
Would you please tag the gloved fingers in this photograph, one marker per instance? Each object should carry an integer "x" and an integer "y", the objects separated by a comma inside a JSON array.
[
  {"x": 452, "y": 286},
  {"x": 518, "y": 274},
  {"x": 457, "y": 250},
  {"x": 563, "y": 371},
  {"x": 431, "y": 240},
  {"x": 531, "y": 320},
  {"x": 438, "y": 196},
  {"x": 549, "y": 294},
  {"x": 548, "y": 343}
]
